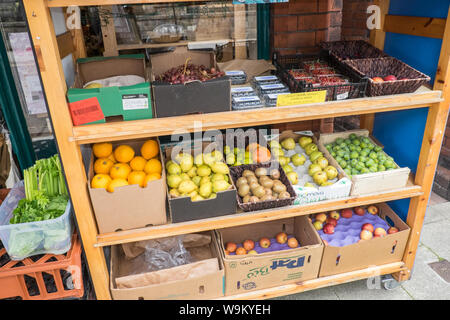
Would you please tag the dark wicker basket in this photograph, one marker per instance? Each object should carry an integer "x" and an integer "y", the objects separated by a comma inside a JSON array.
[
  {"x": 236, "y": 172},
  {"x": 354, "y": 89},
  {"x": 353, "y": 49},
  {"x": 382, "y": 67}
]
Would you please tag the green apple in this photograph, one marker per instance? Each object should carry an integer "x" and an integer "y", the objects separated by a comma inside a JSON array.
[
  {"x": 320, "y": 177},
  {"x": 352, "y": 136},
  {"x": 339, "y": 140},
  {"x": 293, "y": 177},
  {"x": 314, "y": 168},
  {"x": 304, "y": 141},
  {"x": 315, "y": 155},
  {"x": 322, "y": 162},
  {"x": 298, "y": 159},
  {"x": 288, "y": 144},
  {"x": 331, "y": 172},
  {"x": 343, "y": 164},
  {"x": 310, "y": 148}
]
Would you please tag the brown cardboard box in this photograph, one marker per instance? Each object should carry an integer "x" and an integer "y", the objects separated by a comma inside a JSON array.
[
  {"x": 189, "y": 98},
  {"x": 183, "y": 209},
  {"x": 207, "y": 286},
  {"x": 270, "y": 269},
  {"x": 373, "y": 252},
  {"x": 129, "y": 207}
]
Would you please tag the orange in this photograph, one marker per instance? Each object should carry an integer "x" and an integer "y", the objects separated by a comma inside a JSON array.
[
  {"x": 138, "y": 163},
  {"x": 102, "y": 150},
  {"x": 151, "y": 177},
  {"x": 124, "y": 153},
  {"x": 103, "y": 165},
  {"x": 150, "y": 149},
  {"x": 100, "y": 181},
  {"x": 261, "y": 154},
  {"x": 153, "y": 166},
  {"x": 111, "y": 157},
  {"x": 136, "y": 177},
  {"x": 120, "y": 171},
  {"x": 116, "y": 183},
  {"x": 252, "y": 146}
]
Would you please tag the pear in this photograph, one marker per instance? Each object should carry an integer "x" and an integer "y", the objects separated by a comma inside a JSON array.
[
  {"x": 274, "y": 144},
  {"x": 277, "y": 152},
  {"x": 184, "y": 176},
  {"x": 203, "y": 170},
  {"x": 197, "y": 180},
  {"x": 173, "y": 168},
  {"x": 220, "y": 185},
  {"x": 331, "y": 172},
  {"x": 320, "y": 177},
  {"x": 173, "y": 180},
  {"x": 287, "y": 168},
  {"x": 186, "y": 186},
  {"x": 227, "y": 150},
  {"x": 192, "y": 172},
  {"x": 198, "y": 160},
  {"x": 208, "y": 158},
  {"x": 284, "y": 161},
  {"x": 309, "y": 185},
  {"x": 206, "y": 189},
  {"x": 168, "y": 163},
  {"x": 217, "y": 177},
  {"x": 186, "y": 162},
  {"x": 322, "y": 162},
  {"x": 314, "y": 168},
  {"x": 220, "y": 167},
  {"x": 315, "y": 155},
  {"x": 218, "y": 156},
  {"x": 231, "y": 159},
  {"x": 298, "y": 159},
  {"x": 304, "y": 141},
  {"x": 174, "y": 193},
  {"x": 310, "y": 148},
  {"x": 197, "y": 198},
  {"x": 212, "y": 196},
  {"x": 205, "y": 180},
  {"x": 288, "y": 144},
  {"x": 293, "y": 177}
]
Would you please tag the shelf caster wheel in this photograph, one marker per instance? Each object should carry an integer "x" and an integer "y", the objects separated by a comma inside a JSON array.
[{"x": 389, "y": 283}]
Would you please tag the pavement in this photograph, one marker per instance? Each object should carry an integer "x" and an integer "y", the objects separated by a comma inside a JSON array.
[{"x": 425, "y": 283}]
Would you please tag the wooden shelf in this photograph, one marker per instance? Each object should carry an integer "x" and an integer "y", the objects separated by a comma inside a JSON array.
[
  {"x": 123, "y": 130},
  {"x": 172, "y": 229},
  {"x": 82, "y": 3},
  {"x": 319, "y": 282},
  {"x": 170, "y": 44}
]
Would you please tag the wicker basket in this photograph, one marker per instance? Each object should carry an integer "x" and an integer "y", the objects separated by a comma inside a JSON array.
[
  {"x": 237, "y": 171},
  {"x": 353, "y": 49},
  {"x": 382, "y": 67}
]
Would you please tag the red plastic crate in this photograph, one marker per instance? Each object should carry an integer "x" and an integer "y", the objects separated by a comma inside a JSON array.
[{"x": 43, "y": 277}]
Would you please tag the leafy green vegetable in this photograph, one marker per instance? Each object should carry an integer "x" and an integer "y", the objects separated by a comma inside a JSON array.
[{"x": 22, "y": 244}]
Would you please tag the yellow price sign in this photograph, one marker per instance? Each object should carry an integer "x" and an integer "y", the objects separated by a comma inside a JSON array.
[{"x": 292, "y": 99}]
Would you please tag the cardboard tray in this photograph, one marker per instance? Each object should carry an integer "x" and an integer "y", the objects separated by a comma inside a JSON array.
[
  {"x": 131, "y": 206},
  {"x": 189, "y": 98},
  {"x": 340, "y": 189},
  {"x": 183, "y": 209},
  {"x": 236, "y": 172},
  {"x": 369, "y": 182},
  {"x": 208, "y": 286},
  {"x": 373, "y": 252},
  {"x": 253, "y": 272}
]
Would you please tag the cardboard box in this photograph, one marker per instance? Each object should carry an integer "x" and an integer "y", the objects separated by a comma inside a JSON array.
[
  {"x": 369, "y": 182},
  {"x": 208, "y": 286},
  {"x": 131, "y": 206},
  {"x": 189, "y": 98},
  {"x": 373, "y": 252},
  {"x": 253, "y": 272},
  {"x": 127, "y": 102},
  {"x": 183, "y": 209},
  {"x": 340, "y": 189}
]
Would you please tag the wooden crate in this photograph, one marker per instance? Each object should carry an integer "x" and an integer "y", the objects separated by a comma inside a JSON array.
[{"x": 370, "y": 182}]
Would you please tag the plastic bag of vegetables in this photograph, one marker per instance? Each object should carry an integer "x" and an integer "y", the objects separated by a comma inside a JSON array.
[{"x": 35, "y": 217}]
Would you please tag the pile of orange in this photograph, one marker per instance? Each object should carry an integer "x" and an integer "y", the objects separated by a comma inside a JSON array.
[{"x": 121, "y": 166}]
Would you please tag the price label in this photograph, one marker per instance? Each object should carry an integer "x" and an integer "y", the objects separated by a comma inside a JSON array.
[
  {"x": 294, "y": 99},
  {"x": 84, "y": 111}
]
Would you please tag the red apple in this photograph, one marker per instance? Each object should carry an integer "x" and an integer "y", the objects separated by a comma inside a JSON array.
[
  {"x": 392, "y": 230},
  {"x": 359, "y": 211},
  {"x": 346, "y": 213},
  {"x": 328, "y": 228},
  {"x": 321, "y": 217},
  {"x": 292, "y": 242},
  {"x": 390, "y": 78},
  {"x": 368, "y": 227},
  {"x": 332, "y": 221},
  {"x": 248, "y": 245},
  {"x": 281, "y": 237},
  {"x": 264, "y": 242},
  {"x": 226, "y": 252},
  {"x": 365, "y": 235},
  {"x": 334, "y": 214},
  {"x": 372, "y": 209},
  {"x": 318, "y": 225},
  {"x": 230, "y": 247},
  {"x": 241, "y": 251},
  {"x": 379, "y": 232},
  {"x": 377, "y": 79}
]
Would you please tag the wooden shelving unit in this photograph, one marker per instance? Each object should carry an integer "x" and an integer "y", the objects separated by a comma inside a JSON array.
[{"x": 70, "y": 138}]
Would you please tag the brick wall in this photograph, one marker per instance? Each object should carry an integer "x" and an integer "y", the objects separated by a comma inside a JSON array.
[
  {"x": 354, "y": 19},
  {"x": 299, "y": 25}
]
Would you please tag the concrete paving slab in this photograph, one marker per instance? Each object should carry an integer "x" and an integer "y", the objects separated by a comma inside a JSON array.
[
  {"x": 318, "y": 294},
  {"x": 425, "y": 284},
  {"x": 436, "y": 236},
  {"x": 436, "y": 213},
  {"x": 359, "y": 290}
]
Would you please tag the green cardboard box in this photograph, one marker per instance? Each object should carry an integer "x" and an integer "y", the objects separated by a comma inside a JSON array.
[{"x": 126, "y": 102}]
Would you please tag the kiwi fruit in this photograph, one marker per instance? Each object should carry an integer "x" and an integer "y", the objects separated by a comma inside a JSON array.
[
  {"x": 279, "y": 188},
  {"x": 251, "y": 179},
  {"x": 261, "y": 172},
  {"x": 275, "y": 174},
  {"x": 241, "y": 181},
  {"x": 266, "y": 197},
  {"x": 267, "y": 183},
  {"x": 284, "y": 195},
  {"x": 268, "y": 191},
  {"x": 243, "y": 190},
  {"x": 254, "y": 185},
  {"x": 259, "y": 191},
  {"x": 246, "y": 198},
  {"x": 248, "y": 173},
  {"x": 253, "y": 199}
]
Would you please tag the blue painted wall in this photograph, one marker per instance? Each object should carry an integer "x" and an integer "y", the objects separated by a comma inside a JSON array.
[{"x": 401, "y": 132}]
